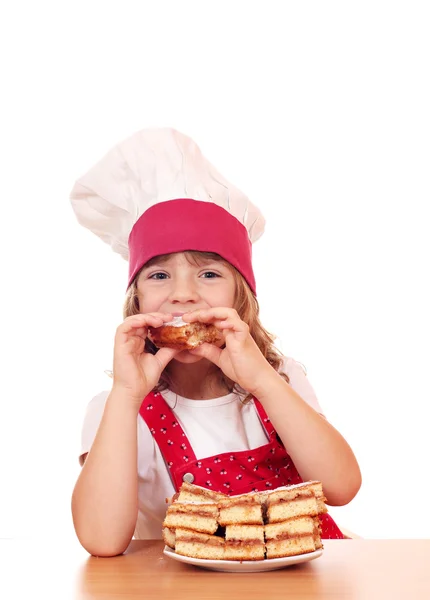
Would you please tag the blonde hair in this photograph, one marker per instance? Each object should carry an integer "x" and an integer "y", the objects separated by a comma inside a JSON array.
[{"x": 246, "y": 305}]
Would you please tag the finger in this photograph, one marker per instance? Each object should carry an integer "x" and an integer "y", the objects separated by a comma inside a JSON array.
[
  {"x": 133, "y": 345},
  {"x": 128, "y": 333},
  {"x": 164, "y": 316},
  {"x": 210, "y": 315},
  {"x": 233, "y": 324},
  {"x": 208, "y": 351},
  {"x": 142, "y": 321},
  {"x": 140, "y": 331},
  {"x": 165, "y": 355},
  {"x": 232, "y": 327},
  {"x": 236, "y": 335}
]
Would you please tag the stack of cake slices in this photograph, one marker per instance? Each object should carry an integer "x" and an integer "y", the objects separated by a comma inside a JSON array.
[
  {"x": 283, "y": 522},
  {"x": 242, "y": 517},
  {"x": 292, "y": 519},
  {"x": 192, "y": 520}
]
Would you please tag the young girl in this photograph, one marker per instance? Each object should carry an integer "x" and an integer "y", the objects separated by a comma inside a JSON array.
[{"x": 233, "y": 417}]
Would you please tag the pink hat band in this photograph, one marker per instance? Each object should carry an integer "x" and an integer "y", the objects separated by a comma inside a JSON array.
[{"x": 185, "y": 224}]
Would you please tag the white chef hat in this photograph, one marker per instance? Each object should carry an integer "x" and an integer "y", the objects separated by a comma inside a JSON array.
[{"x": 155, "y": 193}]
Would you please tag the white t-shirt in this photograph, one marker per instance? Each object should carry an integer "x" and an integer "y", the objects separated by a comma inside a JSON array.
[{"x": 212, "y": 427}]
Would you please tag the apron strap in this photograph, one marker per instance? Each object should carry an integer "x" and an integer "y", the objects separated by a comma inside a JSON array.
[
  {"x": 166, "y": 430},
  {"x": 265, "y": 421}
]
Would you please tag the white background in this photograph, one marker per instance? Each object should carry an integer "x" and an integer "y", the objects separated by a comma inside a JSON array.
[{"x": 319, "y": 111}]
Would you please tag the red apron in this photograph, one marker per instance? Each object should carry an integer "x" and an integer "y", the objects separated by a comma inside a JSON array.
[{"x": 232, "y": 473}]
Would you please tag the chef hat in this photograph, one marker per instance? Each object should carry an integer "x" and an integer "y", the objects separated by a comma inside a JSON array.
[{"x": 155, "y": 193}]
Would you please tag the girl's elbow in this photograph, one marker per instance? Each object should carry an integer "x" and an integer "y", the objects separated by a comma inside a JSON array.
[
  {"x": 355, "y": 484},
  {"x": 103, "y": 549},
  {"x": 346, "y": 492},
  {"x": 103, "y": 545},
  {"x": 105, "y": 552}
]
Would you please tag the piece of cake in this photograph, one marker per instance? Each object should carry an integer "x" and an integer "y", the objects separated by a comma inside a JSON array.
[
  {"x": 288, "y": 502},
  {"x": 317, "y": 533},
  {"x": 194, "y": 493},
  {"x": 183, "y": 336},
  {"x": 198, "y": 516},
  {"x": 199, "y": 545},
  {"x": 292, "y": 521},
  {"x": 244, "y": 542},
  {"x": 169, "y": 537},
  {"x": 316, "y": 486},
  {"x": 243, "y": 509},
  {"x": 290, "y": 537},
  {"x": 242, "y": 517}
]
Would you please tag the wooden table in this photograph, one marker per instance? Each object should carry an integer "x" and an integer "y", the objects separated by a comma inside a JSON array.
[{"x": 356, "y": 569}]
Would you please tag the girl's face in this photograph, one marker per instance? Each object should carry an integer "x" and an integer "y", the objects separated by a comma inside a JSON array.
[{"x": 176, "y": 285}]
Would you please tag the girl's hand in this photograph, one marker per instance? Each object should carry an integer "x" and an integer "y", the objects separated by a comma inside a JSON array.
[
  {"x": 241, "y": 359},
  {"x": 135, "y": 371}
]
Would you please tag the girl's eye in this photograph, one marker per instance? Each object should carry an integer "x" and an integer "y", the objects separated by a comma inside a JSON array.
[
  {"x": 209, "y": 275},
  {"x": 158, "y": 276}
]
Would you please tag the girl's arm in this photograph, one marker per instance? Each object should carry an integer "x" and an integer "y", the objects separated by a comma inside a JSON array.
[
  {"x": 318, "y": 450},
  {"x": 104, "y": 501}
]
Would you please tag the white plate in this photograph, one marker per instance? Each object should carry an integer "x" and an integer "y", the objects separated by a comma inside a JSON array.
[{"x": 249, "y": 566}]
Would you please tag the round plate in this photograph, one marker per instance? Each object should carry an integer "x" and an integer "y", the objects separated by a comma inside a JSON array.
[{"x": 247, "y": 566}]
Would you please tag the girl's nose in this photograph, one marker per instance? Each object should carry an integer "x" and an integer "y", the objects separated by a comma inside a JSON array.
[{"x": 183, "y": 292}]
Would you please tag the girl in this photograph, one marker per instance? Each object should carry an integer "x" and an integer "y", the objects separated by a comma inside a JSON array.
[{"x": 234, "y": 417}]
